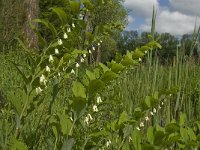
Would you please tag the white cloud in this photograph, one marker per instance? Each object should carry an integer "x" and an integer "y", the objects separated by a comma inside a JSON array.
[
  {"x": 175, "y": 23},
  {"x": 178, "y": 18},
  {"x": 142, "y": 8},
  {"x": 130, "y": 19},
  {"x": 190, "y": 7}
]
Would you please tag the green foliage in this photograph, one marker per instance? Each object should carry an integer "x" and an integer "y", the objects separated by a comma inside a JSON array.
[{"x": 62, "y": 103}]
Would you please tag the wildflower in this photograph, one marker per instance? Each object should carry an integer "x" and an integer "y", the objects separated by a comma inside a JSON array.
[
  {"x": 82, "y": 59},
  {"x": 90, "y": 117},
  {"x": 65, "y": 36},
  {"x": 38, "y": 90},
  {"x": 86, "y": 120},
  {"x": 89, "y": 52},
  {"x": 145, "y": 52},
  {"x": 59, "y": 74},
  {"x": 154, "y": 110},
  {"x": 100, "y": 41},
  {"x": 147, "y": 118},
  {"x": 98, "y": 44},
  {"x": 99, "y": 100},
  {"x": 77, "y": 65},
  {"x": 43, "y": 80},
  {"x": 170, "y": 95},
  {"x": 95, "y": 109},
  {"x": 138, "y": 128},
  {"x": 60, "y": 42},
  {"x": 56, "y": 51},
  {"x": 130, "y": 139},
  {"x": 72, "y": 71},
  {"x": 84, "y": 55},
  {"x": 73, "y": 25},
  {"x": 159, "y": 107},
  {"x": 71, "y": 118},
  {"x": 108, "y": 143},
  {"x": 47, "y": 69},
  {"x": 81, "y": 16},
  {"x": 140, "y": 59},
  {"x": 141, "y": 124},
  {"x": 93, "y": 48},
  {"x": 64, "y": 69},
  {"x": 68, "y": 29},
  {"x": 162, "y": 103},
  {"x": 151, "y": 113},
  {"x": 51, "y": 58}
]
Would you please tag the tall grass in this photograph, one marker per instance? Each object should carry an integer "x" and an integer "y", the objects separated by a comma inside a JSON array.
[{"x": 182, "y": 77}]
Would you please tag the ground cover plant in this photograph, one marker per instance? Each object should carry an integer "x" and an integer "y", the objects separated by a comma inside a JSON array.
[{"x": 60, "y": 98}]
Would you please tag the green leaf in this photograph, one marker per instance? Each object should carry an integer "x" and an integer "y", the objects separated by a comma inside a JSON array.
[
  {"x": 108, "y": 76},
  {"x": 146, "y": 146},
  {"x": 116, "y": 68},
  {"x": 79, "y": 108},
  {"x": 99, "y": 134},
  {"x": 18, "y": 145},
  {"x": 68, "y": 144},
  {"x": 90, "y": 75},
  {"x": 137, "y": 54},
  {"x": 22, "y": 45},
  {"x": 137, "y": 113},
  {"x": 48, "y": 25},
  {"x": 15, "y": 102},
  {"x": 20, "y": 72},
  {"x": 42, "y": 41},
  {"x": 158, "y": 137},
  {"x": 184, "y": 135},
  {"x": 150, "y": 135},
  {"x": 65, "y": 123},
  {"x": 192, "y": 134},
  {"x": 136, "y": 137},
  {"x": 123, "y": 118},
  {"x": 96, "y": 86},
  {"x": 75, "y": 6},
  {"x": 127, "y": 61},
  {"x": 104, "y": 67},
  {"x": 61, "y": 14},
  {"x": 172, "y": 127},
  {"x": 127, "y": 130},
  {"x": 78, "y": 90},
  {"x": 182, "y": 119}
]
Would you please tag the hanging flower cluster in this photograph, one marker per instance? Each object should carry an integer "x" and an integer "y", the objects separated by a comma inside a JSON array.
[{"x": 151, "y": 113}]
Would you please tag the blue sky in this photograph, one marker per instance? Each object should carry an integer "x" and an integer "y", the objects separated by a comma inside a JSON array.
[{"x": 174, "y": 16}]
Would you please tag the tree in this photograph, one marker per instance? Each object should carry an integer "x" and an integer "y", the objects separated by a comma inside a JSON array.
[
  {"x": 104, "y": 18},
  {"x": 31, "y": 8},
  {"x": 169, "y": 46},
  {"x": 127, "y": 40}
]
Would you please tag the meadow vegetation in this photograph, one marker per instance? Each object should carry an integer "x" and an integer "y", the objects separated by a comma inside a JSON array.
[{"x": 66, "y": 94}]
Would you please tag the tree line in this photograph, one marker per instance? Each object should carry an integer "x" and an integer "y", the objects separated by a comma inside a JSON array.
[{"x": 16, "y": 16}]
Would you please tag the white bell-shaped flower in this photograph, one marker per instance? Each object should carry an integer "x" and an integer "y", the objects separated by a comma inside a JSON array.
[
  {"x": 38, "y": 90},
  {"x": 47, "y": 69},
  {"x": 60, "y": 42},
  {"x": 65, "y": 36},
  {"x": 82, "y": 59},
  {"x": 77, "y": 65},
  {"x": 99, "y": 100},
  {"x": 51, "y": 58},
  {"x": 84, "y": 55},
  {"x": 56, "y": 51},
  {"x": 68, "y": 29},
  {"x": 72, "y": 71},
  {"x": 73, "y": 25},
  {"x": 95, "y": 109}
]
